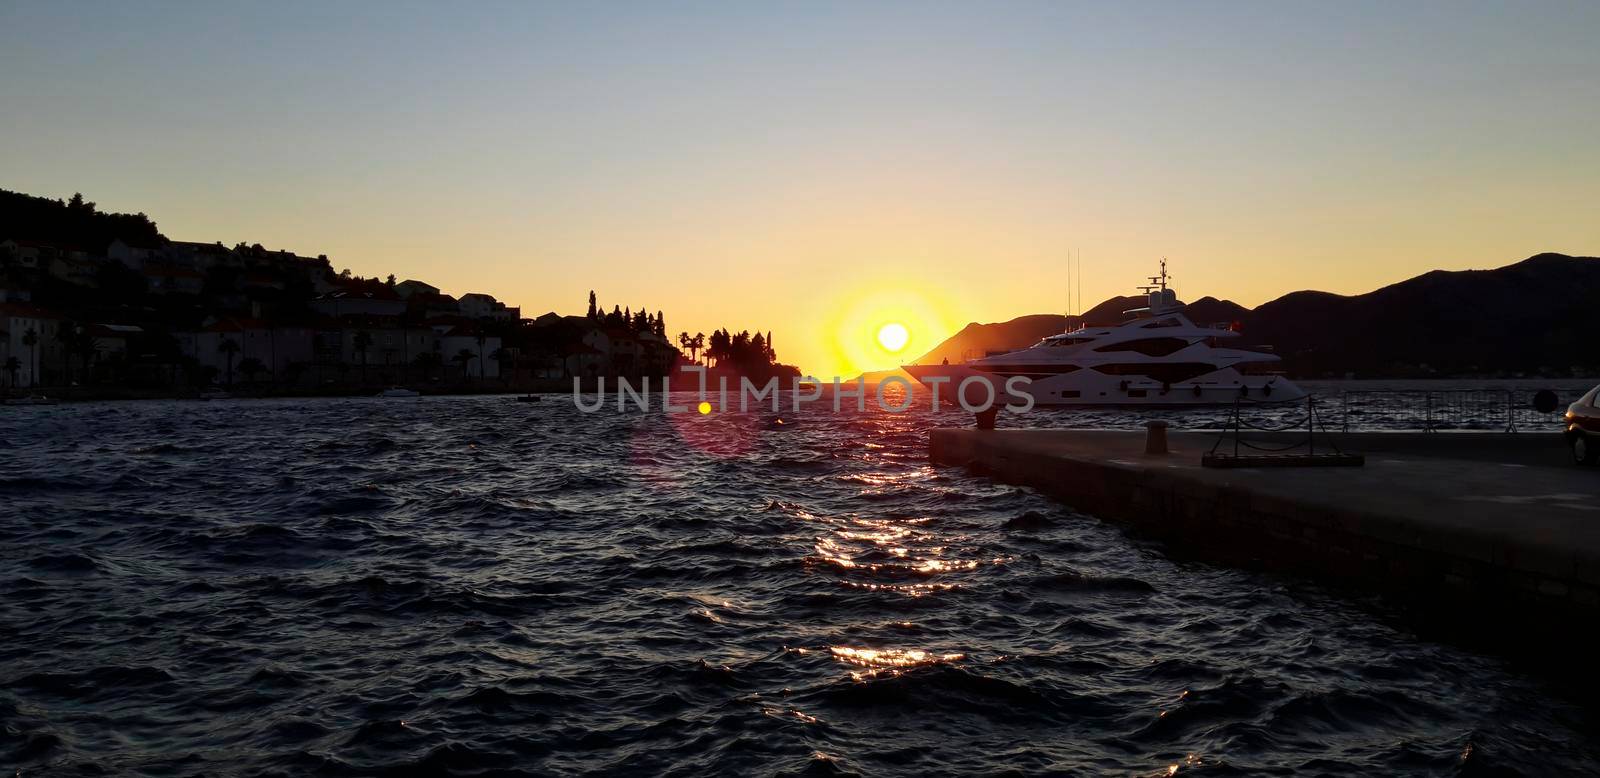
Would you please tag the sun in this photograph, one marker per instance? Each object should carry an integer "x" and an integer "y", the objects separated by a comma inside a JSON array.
[{"x": 893, "y": 336}]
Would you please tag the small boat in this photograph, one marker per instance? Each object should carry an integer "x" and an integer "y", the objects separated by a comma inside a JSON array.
[
  {"x": 528, "y": 398},
  {"x": 214, "y": 394},
  {"x": 32, "y": 400},
  {"x": 397, "y": 391}
]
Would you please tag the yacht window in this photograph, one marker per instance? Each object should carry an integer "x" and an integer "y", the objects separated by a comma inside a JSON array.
[
  {"x": 1161, "y": 323},
  {"x": 1150, "y": 347},
  {"x": 1167, "y": 373},
  {"x": 1032, "y": 371}
]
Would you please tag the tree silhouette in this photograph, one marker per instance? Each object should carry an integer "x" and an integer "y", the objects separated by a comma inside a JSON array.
[
  {"x": 593, "y": 311},
  {"x": 361, "y": 342},
  {"x": 66, "y": 337},
  {"x": 229, "y": 348},
  {"x": 250, "y": 367},
  {"x": 428, "y": 361},
  {"x": 86, "y": 347},
  {"x": 463, "y": 356},
  {"x": 13, "y": 366},
  {"x": 502, "y": 358},
  {"x": 31, "y": 339},
  {"x": 480, "y": 337}
]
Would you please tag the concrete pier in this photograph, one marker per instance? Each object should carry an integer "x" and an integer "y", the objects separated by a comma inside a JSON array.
[{"x": 1482, "y": 522}]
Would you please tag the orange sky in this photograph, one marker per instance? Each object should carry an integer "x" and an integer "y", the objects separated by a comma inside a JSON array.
[{"x": 817, "y": 170}]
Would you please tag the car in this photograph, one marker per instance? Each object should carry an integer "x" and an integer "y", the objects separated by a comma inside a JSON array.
[{"x": 1583, "y": 428}]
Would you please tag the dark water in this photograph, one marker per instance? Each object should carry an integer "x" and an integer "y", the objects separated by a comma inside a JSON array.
[{"x": 474, "y": 586}]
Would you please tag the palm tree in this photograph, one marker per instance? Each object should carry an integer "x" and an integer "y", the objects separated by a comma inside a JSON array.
[
  {"x": 697, "y": 345},
  {"x": 229, "y": 347},
  {"x": 463, "y": 356},
  {"x": 502, "y": 358},
  {"x": 363, "y": 341},
  {"x": 684, "y": 341},
  {"x": 13, "y": 365},
  {"x": 428, "y": 361},
  {"x": 31, "y": 339},
  {"x": 480, "y": 338},
  {"x": 66, "y": 336},
  {"x": 250, "y": 367},
  {"x": 87, "y": 347}
]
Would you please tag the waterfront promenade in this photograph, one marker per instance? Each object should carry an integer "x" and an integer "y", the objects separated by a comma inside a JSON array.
[{"x": 1465, "y": 524}]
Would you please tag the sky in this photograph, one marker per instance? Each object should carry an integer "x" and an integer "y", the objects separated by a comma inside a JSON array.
[{"x": 818, "y": 169}]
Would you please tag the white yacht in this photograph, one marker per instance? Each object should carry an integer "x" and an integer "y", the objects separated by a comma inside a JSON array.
[{"x": 1156, "y": 358}]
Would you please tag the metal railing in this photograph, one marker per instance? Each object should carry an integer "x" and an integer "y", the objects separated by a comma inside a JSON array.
[{"x": 1434, "y": 410}]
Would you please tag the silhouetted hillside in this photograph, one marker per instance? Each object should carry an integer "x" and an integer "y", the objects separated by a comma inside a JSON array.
[
  {"x": 1540, "y": 315},
  {"x": 71, "y": 222}
]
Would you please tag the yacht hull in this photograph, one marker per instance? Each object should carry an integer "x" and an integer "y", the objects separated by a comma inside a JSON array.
[{"x": 1087, "y": 388}]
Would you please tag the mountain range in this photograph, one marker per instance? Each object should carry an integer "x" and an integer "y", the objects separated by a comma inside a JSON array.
[{"x": 1538, "y": 316}]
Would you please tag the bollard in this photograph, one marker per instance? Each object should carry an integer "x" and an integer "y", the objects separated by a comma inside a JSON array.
[
  {"x": 986, "y": 418},
  {"x": 1155, "y": 439}
]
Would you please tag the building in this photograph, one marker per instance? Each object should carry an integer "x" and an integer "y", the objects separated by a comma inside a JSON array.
[
  {"x": 77, "y": 271},
  {"x": 275, "y": 347},
  {"x": 111, "y": 341},
  {"x": 173, "y": 279},
  {"x": 476, "y": 305},
  {"x": 374, "y": 300},
  {"x": 200, "y": 256},
  {"x": 17, "y": 321},
  {"x": 428, "y": 305},
  {"x": 408, "y": 287},
  {"x": 37, "y": 255},
  {"x": 383, "y": 345},
  {"x": 131, "y": 256},
  {"x": 456, "y": 338}
]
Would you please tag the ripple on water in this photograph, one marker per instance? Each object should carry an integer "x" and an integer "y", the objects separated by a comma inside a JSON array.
[{"x": 472, "y": 586}]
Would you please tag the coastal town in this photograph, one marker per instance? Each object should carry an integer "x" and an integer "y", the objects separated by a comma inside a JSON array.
[{"x": 136, "y": 314}]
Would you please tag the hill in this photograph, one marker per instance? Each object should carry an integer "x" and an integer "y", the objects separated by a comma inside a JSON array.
[
  {"x": 72, "y": 222},
  {"x": 1537, "y": 316}
]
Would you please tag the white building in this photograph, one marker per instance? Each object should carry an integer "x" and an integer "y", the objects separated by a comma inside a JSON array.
[
  {"x": 476, "y": 305},
  {"x": 458, "y": 338},
  {"x": 367, "y": 302},
  {"x": 130, "y": 255},
  {"x": 274, "y": 347},
  {"x": 16, "y": 321}
]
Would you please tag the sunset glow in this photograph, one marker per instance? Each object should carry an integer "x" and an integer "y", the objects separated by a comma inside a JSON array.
[
  {"x": 956, "y": 153},
  {"x": 893, "y": 337}
]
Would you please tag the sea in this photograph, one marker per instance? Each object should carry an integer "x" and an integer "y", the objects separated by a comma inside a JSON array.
[{"x": 477, "y": 586}]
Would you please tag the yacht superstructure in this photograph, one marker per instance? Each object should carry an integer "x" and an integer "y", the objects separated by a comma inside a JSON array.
[{"x": 1157, "y": 358}]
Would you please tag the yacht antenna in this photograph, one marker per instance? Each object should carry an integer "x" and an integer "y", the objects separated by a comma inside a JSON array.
[
  {"x": 1069, "y": 283},
  {"x": 1157, "y": 282}
]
